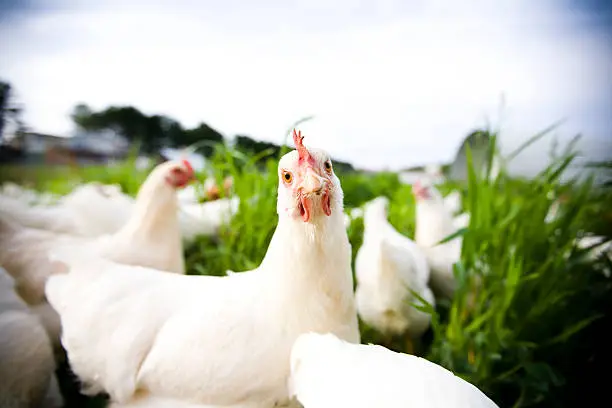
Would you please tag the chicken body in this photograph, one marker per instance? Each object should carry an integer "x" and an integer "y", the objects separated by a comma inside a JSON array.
[
  {"x": 90, "y": 210},
  {"x": 151, "y": 237},
  {"x": 94, "y": 209},
  {"x": 206, "y": 218},
  {"x": 145, "y": 337},
  {"x": 452, "y": 202},
  {"x": 388, "y": 265},
  {"x": 27, "y": 366},
  {"x": 327, "y": 372}
]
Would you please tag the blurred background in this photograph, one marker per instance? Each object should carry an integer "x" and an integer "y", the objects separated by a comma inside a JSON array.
[
  {"x": 506, "y": 103},
  {"x": 415, "y": 76}
]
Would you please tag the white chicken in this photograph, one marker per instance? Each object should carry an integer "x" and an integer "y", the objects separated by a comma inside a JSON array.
[
  {"x": 150, "y": 338},
  {"x": 327, "y": 372},
  {"x": 352, "y": 215},
  {"x": 25, "y": 195},
  {"x": 462, "y": 220},
  {"x": 209, "y": 189},
  {"x": 452, "y": 201},
  {"x": 27, "y": 367},
  {"x": 51, "y": 218},
  {"x": 151, "y": 237},
  {"x": 90, "y": 210},
  {"x": 434, "y": 222},
  {"x": 388, "y": 265},
  {"x": 94, "y": 209},
  {"x": 206, "y": 218}
]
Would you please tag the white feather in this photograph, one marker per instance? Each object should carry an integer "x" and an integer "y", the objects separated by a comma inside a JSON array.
[{"x": 327, "y": 372}]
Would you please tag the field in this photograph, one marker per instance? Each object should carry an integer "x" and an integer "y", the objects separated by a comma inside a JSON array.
[{"x": 534, "y": 335}]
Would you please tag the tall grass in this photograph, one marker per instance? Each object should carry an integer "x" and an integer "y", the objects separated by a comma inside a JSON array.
[
  {"x": 537, "y": 289},
  {"x": 519, "y": 335}
]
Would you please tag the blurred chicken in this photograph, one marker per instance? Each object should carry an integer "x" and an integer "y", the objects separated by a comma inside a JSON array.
[
  {"x": 94, "y": 209},
  {"x": 598, "y": 247},
  {"x": 155, "y": 339},
  {"x": 25, "y": 195},
  {"x": 90, "y": 210},
  {"x": 213, "y": 192},
  {"x": 388, "y": 265},
  {"x": 434, "y": 222},
  {"x": 352, "y": 215},
  {"x": 151, "y": 237},
  {"x": 27, "y": 367},
  {"x": 206, "y": 218},
  {"x": 209, "y": 190},
  {"x": 327, "y": 372},
  {"x": 461, "y": 221},
  {"x": 452, "y": 201}
]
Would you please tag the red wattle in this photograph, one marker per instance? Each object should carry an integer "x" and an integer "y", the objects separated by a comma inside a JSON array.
[
  {"x": 326, "y": 203},
  {"x": 306, "y": 208}
]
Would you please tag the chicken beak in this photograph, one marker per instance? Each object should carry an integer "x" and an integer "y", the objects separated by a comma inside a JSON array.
[{"x": 313, "y": 184}]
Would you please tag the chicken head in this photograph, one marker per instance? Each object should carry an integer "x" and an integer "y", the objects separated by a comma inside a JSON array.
[
  {"x": 423, "y": 190},
  {"x": 308, "y": 186},
  {"x": 179, "y": 173},
  {"x": 213, "y": 192}
]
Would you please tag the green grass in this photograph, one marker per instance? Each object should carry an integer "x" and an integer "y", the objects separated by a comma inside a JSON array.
[{"x": 525, "y": 339}]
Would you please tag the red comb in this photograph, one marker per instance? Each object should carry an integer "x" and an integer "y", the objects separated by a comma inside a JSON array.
[
  {"x": 303, "y": 153},
  {"x": 188, "y": 165}
]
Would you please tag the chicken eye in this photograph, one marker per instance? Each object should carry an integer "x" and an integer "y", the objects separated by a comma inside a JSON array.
[
  {"x": 328, "y": 166},
  {"x": 288, "y": 177}
]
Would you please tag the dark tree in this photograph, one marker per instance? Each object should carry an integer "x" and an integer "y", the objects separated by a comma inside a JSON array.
[
  {"x": 152, "y": 132},
  {"x": 249, "y": 145},
  {"x": 156, "y": 131},
  {"x": 8, "y": 109},
  {"x": 204, "y": 136}
]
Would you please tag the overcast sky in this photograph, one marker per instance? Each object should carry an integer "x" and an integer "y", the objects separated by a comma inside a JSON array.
[{"x": 392, "y": 83}]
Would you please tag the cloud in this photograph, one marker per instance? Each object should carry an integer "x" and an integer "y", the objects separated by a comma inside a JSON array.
[{"x": 391, "y": 83}]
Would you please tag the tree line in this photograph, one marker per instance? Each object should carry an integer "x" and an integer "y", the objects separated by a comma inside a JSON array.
[
  {"x": 155, "y": 131},
  {"x": 150, "y": 132}
]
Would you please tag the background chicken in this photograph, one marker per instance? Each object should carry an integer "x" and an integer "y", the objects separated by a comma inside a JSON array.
[
  {"x": 151, "y": 237},
  {"x": 89, "y": 210},
  {"x": 204, "y": 339},
  {"x": 95, "y": 209},
  {"x": 452, "y": 201},
  {"x": 434, "y": 222},
  {"x": 26, "y": 195},
  {"x": 27, "y": 368},
  {"x": 387, "y": 267}
]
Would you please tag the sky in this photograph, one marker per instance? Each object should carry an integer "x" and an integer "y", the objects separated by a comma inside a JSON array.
[{"x": 390, "y": 83}]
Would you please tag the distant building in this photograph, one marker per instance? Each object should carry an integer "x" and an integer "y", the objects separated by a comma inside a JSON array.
[
  {"x": 480, "y": 146},
  {"x": 106, "y": 143},
  {"x": 82, "y": 148}
]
